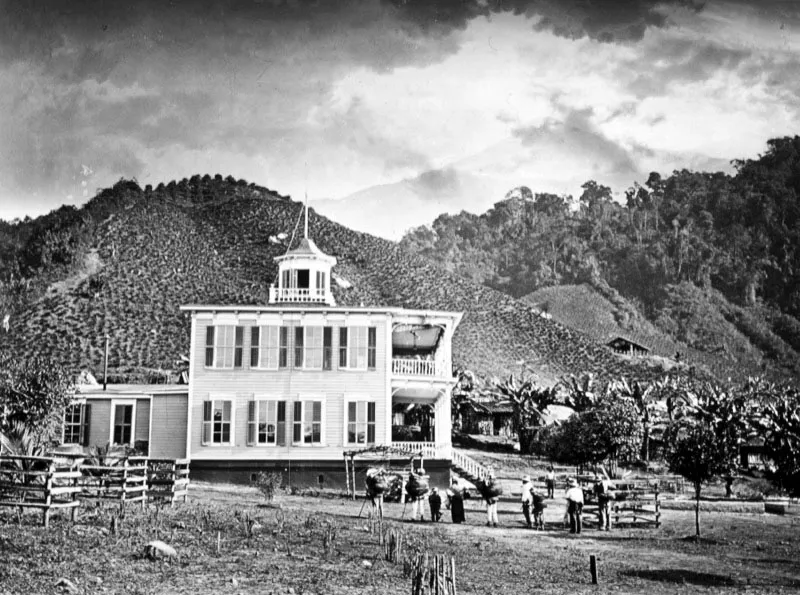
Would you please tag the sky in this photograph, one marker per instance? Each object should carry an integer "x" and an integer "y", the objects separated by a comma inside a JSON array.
[{"x": 333, "y": 99}]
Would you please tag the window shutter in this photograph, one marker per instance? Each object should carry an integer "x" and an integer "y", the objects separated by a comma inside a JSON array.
[
  {"x": 209, "y": 346},
  {"x": 297, "y": 434},
  {"x": 255, "y": 344},
  {"x": 343, "y": 347},
  {"x": 252, "y": 423},
  {"x": 298, "y": 346},
  {"x": 317, "y": 412},
  {"x": 372, "y": 342},
  {"x": 207, "y": 414},
  {"x": 87, "y": 420},
  {"x": 281, "y": 425},
  {"x": 371, "y": 422}
]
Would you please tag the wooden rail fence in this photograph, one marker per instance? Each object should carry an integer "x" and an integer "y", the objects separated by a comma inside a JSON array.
[
  {"x": 62, "y": 481},
  {"x": 637, "y": 508}
]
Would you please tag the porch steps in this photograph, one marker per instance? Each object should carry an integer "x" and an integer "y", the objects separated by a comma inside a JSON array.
[{"x": 468, "y": 468}]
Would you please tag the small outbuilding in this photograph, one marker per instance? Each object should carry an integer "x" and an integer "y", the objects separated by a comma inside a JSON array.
[{"x": 625, "y": 346}]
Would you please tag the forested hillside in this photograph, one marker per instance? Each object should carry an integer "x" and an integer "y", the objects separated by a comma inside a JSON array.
[
  {"x": 122, "y": 265},
  {"x": 712, "y": 260}
]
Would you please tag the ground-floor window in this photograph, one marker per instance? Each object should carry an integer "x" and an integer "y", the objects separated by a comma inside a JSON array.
[
  {"x": 361, "y": 422},
  {"x": 76, "y": 424},
  {"x": 307, "y": 422},
  {"x": 217, "y": 422},
  {"x": 266, "y": 423}
]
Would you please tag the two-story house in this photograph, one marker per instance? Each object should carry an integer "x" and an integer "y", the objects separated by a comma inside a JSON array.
[{"x": 293, "y": 385}]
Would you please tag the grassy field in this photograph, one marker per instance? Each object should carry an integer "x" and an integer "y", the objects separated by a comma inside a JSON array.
[{"x": 229, "y": 541}]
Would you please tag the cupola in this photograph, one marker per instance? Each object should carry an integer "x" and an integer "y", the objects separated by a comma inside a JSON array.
[{"x": 304, "y": 274}]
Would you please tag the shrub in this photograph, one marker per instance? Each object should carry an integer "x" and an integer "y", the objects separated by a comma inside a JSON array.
[{"x": 269, "y": 484}]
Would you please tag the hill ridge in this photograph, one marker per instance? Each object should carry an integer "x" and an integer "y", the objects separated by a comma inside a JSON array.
[{"x": 155, "y": 257}]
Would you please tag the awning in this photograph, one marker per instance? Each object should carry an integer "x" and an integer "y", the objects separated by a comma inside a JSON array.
[{"x": 415, "y": 337}]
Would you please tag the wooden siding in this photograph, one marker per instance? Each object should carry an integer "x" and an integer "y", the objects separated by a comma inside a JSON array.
[
  {"x": 100, "y": 422},
  {"x": 142, "y": 429},
  {"x": 333, "y": 387},
  {"x": 169, "y": 426}
]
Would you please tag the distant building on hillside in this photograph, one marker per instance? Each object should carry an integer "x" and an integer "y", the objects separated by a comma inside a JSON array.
[
  {"x": 488, "y": 417},
  {"x": 625, "y": 346},
  {"x": 293, "y": 385}
]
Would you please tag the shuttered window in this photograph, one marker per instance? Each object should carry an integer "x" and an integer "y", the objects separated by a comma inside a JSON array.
[
  {"x": 264, "y": 347},
  {"x": 307, "y": 422},
  {"x": 266, "y": 423},
  {"x": 224, "y": 346},
  {"x": 361, "y": 422},
  {"x": 218, "y": 422},
  {"x": 357, "y": 347}
]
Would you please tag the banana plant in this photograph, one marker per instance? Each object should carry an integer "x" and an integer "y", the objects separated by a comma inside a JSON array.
[
  {"x": 646, "y": 398},
  {"x": 581, "y": 393}
]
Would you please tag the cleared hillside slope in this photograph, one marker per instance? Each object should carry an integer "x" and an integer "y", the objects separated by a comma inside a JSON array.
[{"x": 201, "y": 242}]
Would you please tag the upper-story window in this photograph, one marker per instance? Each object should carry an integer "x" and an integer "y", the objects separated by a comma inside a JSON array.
[
  {"x": 224, "y": 346},
  {"x": 357, "y": 347},
  {"x": 313, "y": 347},
  {"x": 265, "y": 347}
]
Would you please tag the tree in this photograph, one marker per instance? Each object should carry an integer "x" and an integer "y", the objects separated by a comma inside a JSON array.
[
  {"x": 697, "y": 454},
  {"x": 778, "y": 421},
  {"x": 645, "y": 399},
  {"x": 709, "y": 426},
  {"x": 34, "y": 392},
  {"x": 529, "y": 402},
  {"x": 581, "y": 393},
  {"x": 606, "y": 433}
]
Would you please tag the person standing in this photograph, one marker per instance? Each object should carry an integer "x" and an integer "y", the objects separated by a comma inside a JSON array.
[
  {"x": 417, "y": 490},
  {"x": 527, "y": 499},
  {"x": 455, "y": 501},
  {"x": 602, "y": 490},
  {"x": 538, "y": 510},
  {"x": 574, "y": 505},
  {"x": 492, "y": 496},
  {"x": 550, "y": 482},
  {"x": 435, "y": 503}
]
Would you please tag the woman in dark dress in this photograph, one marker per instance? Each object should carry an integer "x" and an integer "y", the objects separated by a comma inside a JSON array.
[{"x": 455, "y": 501}]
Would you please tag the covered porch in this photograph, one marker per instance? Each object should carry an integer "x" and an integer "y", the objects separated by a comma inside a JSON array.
[{"x": 421, "y": 421}]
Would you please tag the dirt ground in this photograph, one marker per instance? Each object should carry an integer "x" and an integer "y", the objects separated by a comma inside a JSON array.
[{"x": 284, "y": 550}]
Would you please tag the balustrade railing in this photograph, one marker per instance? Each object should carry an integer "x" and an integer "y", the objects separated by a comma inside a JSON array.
[
  {"x": 415, "y": 367},
  {"x": 297, "y": 295}
]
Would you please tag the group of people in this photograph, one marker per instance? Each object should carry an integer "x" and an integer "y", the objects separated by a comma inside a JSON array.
[{"x": 533, "y": 502}]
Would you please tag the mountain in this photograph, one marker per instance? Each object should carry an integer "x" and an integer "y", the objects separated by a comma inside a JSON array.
[
  {"x": 390, "y": 210},
  {"x": 705, "y": 263},
  {"x": 123, "y": 264}
]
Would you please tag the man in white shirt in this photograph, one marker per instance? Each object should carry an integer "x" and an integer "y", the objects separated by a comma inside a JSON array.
[
  {"x": 574, "y": 505},
  {"x": 550, "y": 482}
]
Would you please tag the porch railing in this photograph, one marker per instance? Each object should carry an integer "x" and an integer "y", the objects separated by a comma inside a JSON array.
[
  {"x": 430, "y": 450},
  {"x": 298, "y": 295},
  {"x": 415, "y": 367}
]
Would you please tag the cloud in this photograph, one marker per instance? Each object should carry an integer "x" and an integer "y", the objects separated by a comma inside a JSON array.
[
  {"x": 577, "y": 135},
  {"x": 602, "y": 20}
]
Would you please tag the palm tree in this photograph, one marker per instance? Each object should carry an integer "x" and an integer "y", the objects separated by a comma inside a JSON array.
[
  {"x": 529, "y": 402},
  {"x": 581, "y": 394},
  {"x": 646, "y": 399}
]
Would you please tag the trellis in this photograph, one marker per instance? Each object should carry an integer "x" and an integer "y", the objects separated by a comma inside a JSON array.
[{"x": 383, "y": 452}]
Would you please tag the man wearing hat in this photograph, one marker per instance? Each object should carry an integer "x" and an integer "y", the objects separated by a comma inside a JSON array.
[
  {"x": 574, "y": 505},
  {"x": 527, "y": 499}
]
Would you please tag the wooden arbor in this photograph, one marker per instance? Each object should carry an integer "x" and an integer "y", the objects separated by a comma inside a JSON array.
[{"x": 373, "y": 452}]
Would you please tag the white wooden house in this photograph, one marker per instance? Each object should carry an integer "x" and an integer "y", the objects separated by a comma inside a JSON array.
[
  {"x": 293, "y": 385},
  {"x": 290, "y": 386}
]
